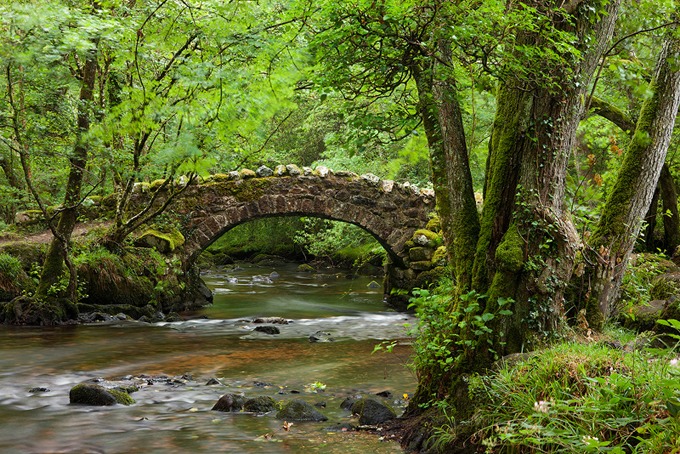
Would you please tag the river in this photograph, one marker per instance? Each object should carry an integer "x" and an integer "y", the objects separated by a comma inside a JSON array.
[{"x": 174, "y": 414}]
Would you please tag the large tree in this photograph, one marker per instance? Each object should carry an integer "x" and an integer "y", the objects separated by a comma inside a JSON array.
[{"x": 513, "y": 265}]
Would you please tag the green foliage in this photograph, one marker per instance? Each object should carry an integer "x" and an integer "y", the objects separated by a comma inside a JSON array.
[
  {"x": 638, "y": 281},
  {"x": 576, "y": 398},
  {"x": 10, "y": 267},
  {"x": 338, "y": 242},
  {"x": 268, "y": 236},
  {"x": 450, "y": 330}
]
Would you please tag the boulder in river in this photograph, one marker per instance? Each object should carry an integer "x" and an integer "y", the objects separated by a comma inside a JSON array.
[
  {"x": 92, "y": 394},
  {"x": 371, "y": 412},
  {"x": 271, "y": 320},
  {"x": 230, "y": 402},
  {"x": 260, "y": 404},
  {"x": 299, "y": 410},
  {"x": 267, "y": 329}
]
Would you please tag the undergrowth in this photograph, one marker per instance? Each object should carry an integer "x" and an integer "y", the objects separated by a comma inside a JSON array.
[{"x": 575, "y": 398}]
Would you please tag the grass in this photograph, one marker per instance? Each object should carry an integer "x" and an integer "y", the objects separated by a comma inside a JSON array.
[{"x": 581, "y": 397}]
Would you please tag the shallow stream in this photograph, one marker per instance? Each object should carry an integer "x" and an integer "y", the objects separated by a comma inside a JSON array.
[{"x": 174, "y": 415}]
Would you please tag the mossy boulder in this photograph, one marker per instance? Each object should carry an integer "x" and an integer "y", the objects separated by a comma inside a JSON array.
[
  {"x": 299, "y": 410},
  {"x": 163, "y": 241},
  {"x": 665, "y": 286},
  {"x": 260, "y": 404},
  {"x": 29, "y": 254},
  {"x": 97, "y": 395},
  {"x": 371, "y": 412},
  {"x": 644, "y": 316}
]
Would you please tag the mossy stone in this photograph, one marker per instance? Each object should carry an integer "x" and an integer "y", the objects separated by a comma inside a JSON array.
[
  {"x": 260, "y": 404},
  {"x": 156, "y": 184},
  {"x": 420, "y": 254},
  {"x": 97, "y": 395},
  {"x": 665, "y": 286},
  {"x": 247, "y": 173},
  {"x": 299, "y": 410},
  {"x": 163, "y": 242},
  {"x": 431, "y": 238},
  {"x": 371, "y": 412},
  {"x": 434, "y": 224}
]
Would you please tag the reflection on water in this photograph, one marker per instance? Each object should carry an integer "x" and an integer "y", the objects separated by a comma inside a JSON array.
[{"x": 176, "y": 417}]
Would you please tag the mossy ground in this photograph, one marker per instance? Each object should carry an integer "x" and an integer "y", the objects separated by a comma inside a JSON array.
[{"x": 614, "y": 393}]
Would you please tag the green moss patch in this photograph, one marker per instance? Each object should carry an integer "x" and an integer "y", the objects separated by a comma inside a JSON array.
[{"x": 162, "y": 241}]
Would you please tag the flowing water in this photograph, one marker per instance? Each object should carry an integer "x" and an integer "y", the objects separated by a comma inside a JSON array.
[{"x": 174, "y": 414}]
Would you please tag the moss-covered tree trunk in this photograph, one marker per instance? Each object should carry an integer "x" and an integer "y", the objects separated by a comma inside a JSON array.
[
  {"x": 452, "y": 180},
  {"x": 617, "y": 230},
  {"x": 527, "y": 245},
  {"x": 58, "y": 252}
]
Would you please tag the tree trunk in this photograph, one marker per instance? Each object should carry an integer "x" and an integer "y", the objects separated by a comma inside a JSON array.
[
  {"x": 58, "y": 251},
  {"x": 526, "y": 249},
  {"x": 618, "y": 228},
  {"x": 671, "y": 218},
  {"x": 452, "y": 179},
  {"x": 650, "y": 221}
]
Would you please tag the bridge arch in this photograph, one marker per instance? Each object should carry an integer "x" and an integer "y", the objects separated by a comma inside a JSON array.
[{"x": 391, "y": 212}]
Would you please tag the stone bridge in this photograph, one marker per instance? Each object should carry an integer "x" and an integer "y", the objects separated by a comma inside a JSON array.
[{"x": 390, "y": 211}]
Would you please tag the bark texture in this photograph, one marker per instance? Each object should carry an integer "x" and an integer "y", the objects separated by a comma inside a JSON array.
[{"x": 612, "y": 242}]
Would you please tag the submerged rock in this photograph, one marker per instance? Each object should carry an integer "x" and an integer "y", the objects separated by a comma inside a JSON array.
[
  {"x": 371, "y": 412},
  {"x": 272, "y": 320},
  {"x": 321, "y": 336},
  {"x": 230, "y": 402},
  {"x": 92, "y": 394},
  {"x": 299, "y": 410},
  {"x": 267, "y": 329}
]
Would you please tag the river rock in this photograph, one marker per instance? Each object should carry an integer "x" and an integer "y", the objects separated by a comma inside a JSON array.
[
  {"x": 373, "y": 284},
  {"x": 348, "y": 402},
  {"x": 299, "y": 410},
  {"x": 371, "y": 412},
  {"x": 213, "y": 381},
  {"x": 271, "y": 320},
  {"x": 38, "y": 390},
  {"x": 92, "y": 394},
  {"x": 230, "y": 402},
  {"x": 261, "y": 404},
  {"x": 321, "y": 336},
  {"x": 267, "y": 329}
]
